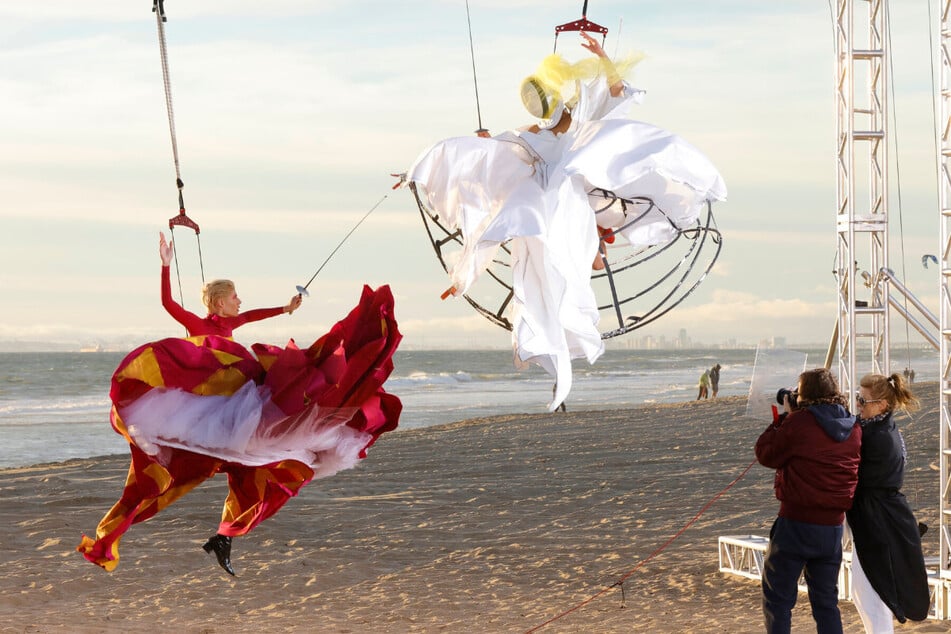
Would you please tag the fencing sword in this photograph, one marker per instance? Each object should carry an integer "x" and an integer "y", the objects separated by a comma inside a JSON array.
[{"x": 302, "y": 290}]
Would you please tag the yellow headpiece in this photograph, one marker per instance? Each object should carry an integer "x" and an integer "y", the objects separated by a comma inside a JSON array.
[{"x": 542, "y": 92}]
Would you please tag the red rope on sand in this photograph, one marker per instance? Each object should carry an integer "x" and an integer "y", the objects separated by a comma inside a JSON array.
[{"x": 628, "y": 574}]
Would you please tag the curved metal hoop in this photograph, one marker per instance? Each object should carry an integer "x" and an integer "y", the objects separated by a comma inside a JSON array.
[{"x": 672, "y": 270}]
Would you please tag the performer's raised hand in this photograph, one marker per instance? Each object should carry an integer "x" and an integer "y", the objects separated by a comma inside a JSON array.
[
  {"x": 165, "y": 249},
  {"x": 592, "y": 45}
]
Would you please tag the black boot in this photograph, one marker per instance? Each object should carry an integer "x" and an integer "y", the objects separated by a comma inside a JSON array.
[{"x": 221, "y": 544}]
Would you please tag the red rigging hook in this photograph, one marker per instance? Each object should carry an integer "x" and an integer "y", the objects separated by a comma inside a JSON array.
[
  {"x": 182, "y": 219},
  {"x": 584, "y": 24}
]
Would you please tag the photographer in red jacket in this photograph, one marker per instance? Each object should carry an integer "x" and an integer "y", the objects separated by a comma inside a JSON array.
[{"x": 815, "y": 448}]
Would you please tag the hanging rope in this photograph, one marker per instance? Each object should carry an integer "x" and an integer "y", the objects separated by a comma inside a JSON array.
[
  {"x": 901, "y": 222},
  {"x": 182, "y": 219},
  {"x": 916, "y": 484}
]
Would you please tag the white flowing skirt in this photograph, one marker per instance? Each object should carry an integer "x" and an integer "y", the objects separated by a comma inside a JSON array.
[{"x": 245, "y": 427}]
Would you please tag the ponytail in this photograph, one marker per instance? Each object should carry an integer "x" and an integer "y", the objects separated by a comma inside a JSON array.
[{"x": 892, "y": 389}]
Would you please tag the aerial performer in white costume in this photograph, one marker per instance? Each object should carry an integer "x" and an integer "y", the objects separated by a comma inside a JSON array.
[{"x": 530, "y": 189}]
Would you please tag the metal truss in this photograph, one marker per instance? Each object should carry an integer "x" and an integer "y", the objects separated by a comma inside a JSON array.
[
  {"x": 861, "y": 28},
  {"x": 944, "y": 295}
]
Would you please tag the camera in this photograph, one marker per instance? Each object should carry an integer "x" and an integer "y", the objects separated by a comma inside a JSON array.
[{"x": 792, "y": 394}]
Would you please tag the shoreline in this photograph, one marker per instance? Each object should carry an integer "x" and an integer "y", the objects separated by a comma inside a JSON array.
[
  {"x": 493, "y": 524},
  {"x": 488, "y": 419}
]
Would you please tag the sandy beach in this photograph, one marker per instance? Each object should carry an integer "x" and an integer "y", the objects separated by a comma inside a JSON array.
[{"x": 489, "y": 525}]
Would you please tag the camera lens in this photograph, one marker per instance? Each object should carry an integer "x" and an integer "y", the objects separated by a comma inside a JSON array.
[{"x": 791, "y": 393}]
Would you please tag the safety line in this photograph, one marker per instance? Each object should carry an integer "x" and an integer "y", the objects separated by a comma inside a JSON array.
[
  {"x": 660, "y": 549},
  {"x": 303, "y": 289},
  {"x": 890, "y": 60}
]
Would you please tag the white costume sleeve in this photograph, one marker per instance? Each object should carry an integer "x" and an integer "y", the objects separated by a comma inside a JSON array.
[{"x": 596, "y": 102}]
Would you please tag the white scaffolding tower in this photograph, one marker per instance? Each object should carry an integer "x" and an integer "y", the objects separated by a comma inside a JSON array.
[
  {"x": 862, "y": 82},
  {"x": 861, "y": 96},
  {"x": 944, "y": 298}
]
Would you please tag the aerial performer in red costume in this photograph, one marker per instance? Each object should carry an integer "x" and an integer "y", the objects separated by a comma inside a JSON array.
[
  {"x": 531, "y": 189},
  {"x": 272, "y": 421}
]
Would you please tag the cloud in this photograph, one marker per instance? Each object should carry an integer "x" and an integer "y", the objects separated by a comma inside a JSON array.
[
  {"x": 736, "y": 306},
  {"x": 748, "y": 318}
]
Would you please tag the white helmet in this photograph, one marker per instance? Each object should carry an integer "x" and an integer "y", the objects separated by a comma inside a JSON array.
[{"x": 537, "y": 100}]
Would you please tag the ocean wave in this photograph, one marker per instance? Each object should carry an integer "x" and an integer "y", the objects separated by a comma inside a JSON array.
[
  {"x": 29, "y": 411},
  {"x": 422, "y": 379}
]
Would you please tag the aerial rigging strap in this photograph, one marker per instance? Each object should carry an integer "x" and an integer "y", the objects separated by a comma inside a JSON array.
[{"x": 158, "y": 8}]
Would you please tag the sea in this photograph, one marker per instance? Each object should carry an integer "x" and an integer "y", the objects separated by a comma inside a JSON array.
[{"x": 54, "y": 406}]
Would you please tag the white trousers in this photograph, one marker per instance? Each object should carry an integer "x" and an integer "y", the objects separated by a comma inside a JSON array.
[{"x": 876, "y": 617}]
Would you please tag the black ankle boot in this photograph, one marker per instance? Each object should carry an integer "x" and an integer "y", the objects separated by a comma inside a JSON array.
[{"x": 221, "y": 544}]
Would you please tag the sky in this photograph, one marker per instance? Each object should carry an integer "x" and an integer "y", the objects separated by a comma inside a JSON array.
[{"x": 291, "y": 115}]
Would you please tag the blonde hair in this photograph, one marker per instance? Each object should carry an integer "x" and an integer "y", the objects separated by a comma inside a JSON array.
[
  {"x": 555, "y": 74},
  {"x": 215, "y": 290},
  {"x": 892, "y": 389}
]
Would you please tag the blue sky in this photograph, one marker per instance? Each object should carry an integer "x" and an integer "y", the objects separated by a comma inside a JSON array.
[{"x": 291, "y": 115}]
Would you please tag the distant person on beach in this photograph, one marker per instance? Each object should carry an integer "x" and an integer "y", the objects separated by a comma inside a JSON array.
[
  {"x": 814, "y": 447},
  {"x": 715, "y": 379},
  {"x": 888, "y": 567},
  {"x": 704, "y": 385}
]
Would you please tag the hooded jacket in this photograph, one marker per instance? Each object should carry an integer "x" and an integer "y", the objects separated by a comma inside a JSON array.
[{"x": 816, "y": 453}]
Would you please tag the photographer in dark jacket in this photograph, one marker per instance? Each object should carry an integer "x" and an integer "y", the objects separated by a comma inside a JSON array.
[
  {"x": 814, "y": 447},
  {"x": 888, "y": 567}
]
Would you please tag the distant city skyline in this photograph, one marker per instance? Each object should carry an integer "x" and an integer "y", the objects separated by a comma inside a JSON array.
[{"x": 681, "y": 339}]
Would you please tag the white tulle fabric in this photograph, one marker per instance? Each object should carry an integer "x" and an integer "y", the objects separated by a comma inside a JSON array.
[
  {"x": 245, "y": 427},
  {"x": 532, "y": 189}
]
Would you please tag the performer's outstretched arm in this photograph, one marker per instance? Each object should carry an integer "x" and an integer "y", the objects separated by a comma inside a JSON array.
[
  {"x": 191, "y": 321},
  {"x": 614, "y": 78}
]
